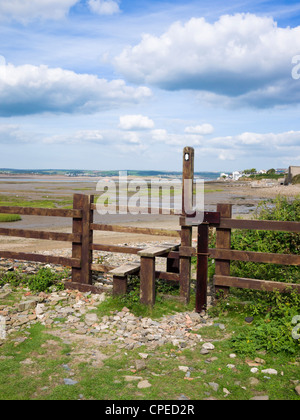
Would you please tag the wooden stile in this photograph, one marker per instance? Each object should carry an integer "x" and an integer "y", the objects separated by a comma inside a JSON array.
[{"x": 178, "y": 256}]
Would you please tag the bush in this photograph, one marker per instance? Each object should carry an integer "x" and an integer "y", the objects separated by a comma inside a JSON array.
[
  {"x": 273, "y": 311},
  {"x": 270, "y": 242},
  {"x": 296, "y": 180},
  {"x": 273, "y": 327},
  {"x": 40, "y": 282}
]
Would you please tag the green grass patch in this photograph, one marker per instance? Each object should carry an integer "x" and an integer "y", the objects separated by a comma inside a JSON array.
[
  {"x": 5, "y": 218},
  {"x": 167, "y": 301},
  {"x": 24, "y": 202}
]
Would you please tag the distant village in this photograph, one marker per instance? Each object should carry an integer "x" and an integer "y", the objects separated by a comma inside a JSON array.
[
  {"x": 269, "y": 177},
  {"x": 253, "y": 173}
]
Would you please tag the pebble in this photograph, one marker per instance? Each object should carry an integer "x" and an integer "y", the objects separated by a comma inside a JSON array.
[
  {"x": 144, "y": 384},
  {"x": 208, "y": 346},
  {"x": 70, "y": 309},
  {"x": 270, "y": 371},
  {"x": 68, "y": 381}
]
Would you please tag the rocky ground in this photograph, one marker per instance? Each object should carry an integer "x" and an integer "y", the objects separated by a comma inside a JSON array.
[
  {"x": 72, "y": 316},
  {"x": 121, "y": 328}
]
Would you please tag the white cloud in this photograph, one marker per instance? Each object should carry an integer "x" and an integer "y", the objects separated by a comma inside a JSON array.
[
  {"x": 13, "y": 134},
  {"x": 29, "y": 89},
  {"x": 202, "y": 129},
  {"x": 79, "y": 137},
  {"x": 104, "y": 7},
  {"x": 27, "y": 10},
  {"x": 244, "y": 57},
  {"x": 135, "y": 122},
  {"x": 132, "y": 139}
]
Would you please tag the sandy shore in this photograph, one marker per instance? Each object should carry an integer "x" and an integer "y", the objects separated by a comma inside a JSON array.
[{"x": 242, "y": 196}]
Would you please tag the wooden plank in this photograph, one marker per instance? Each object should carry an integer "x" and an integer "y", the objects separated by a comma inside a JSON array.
[
  {"x": 30, "y": 211},
  {"x": 202, "y": 267},
  {"x": 77, "y": 230},
  {"x": 187, "y": 251},
  {"x": 119, "y": 285},
  {"x": 223, "y": 241},
  {"x": 125, "y": 269},
  {"x": 129, "y": 229},
  {"x": 156, "y": 251},
  {"x": 258, "y": 257},
  {"x": 115, "y": 248},
  {"x": 87, "y": 239},
  {"x": 35, "y": 234},
  {"x": 245, "y": 283},
  {"x": 208, "y": 217},
  {"x": 147, "y": 281},
  {"x": 272, "y": 225},
  {"x": 185, "y": 264},
  {"x": 47, "y": 259},
  {"x": 162, "y": 275}
]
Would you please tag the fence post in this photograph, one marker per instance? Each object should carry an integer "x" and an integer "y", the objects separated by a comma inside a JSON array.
[
  {"x": 147, "y": 279},
  {"x": 82, "y": 250},
  {"x": 202, "y": 267},
  {"x": 223, "y": 241},
  {"x": 186, "y": 231}
]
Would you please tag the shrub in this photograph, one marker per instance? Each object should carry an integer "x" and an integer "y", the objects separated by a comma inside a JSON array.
[
  {"x": 40, "y": 282},
  {"x": 43, "y": 280},
  {"x": 271, "y": 242},
  {"x": 273, "y": 311}
]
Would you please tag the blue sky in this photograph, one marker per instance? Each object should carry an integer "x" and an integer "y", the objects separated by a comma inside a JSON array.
[{"x": 120, "y": 84}]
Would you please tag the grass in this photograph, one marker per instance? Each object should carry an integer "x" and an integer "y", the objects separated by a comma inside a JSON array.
[
  {"x": 6, "y": 200},
  {"x": 9, "y": 218},
  {"x": 34, "y": 369},
  {"x": 35, "y": 361}
]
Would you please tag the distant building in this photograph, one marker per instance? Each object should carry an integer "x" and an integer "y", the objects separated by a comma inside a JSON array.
[
  {"x": 293, "y": 171},
  {"x": 236, "y": 175}
]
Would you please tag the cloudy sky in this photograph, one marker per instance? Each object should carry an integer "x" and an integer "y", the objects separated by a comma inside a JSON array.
[{"x": 126, "y": 84}]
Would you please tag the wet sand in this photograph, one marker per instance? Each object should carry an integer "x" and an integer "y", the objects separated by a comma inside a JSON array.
[{"x": 241, "y": 195}]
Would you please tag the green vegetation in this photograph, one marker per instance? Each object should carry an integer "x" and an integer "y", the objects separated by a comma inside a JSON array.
[
  {"x": 167, "y": 301},
  {"x": 296, "y": 180},
  {"x": 273, "y": 311},
  {"x": 40, "y": 282},
  {"x": 33, "y": 365},
  {"x": 4, "y": 218},
  {"x": 263, "y": 176},
  {"x": 6, "y": 200},
  {"x": 34, "y": 362}
]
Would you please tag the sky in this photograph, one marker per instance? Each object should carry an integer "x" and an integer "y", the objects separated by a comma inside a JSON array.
[{"x": 127, "y": 84}]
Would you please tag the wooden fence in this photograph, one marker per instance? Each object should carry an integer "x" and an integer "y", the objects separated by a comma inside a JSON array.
[
  {"x": 83, "y": 246},
  {"x": 223, "y": 255},
  {"x": 178, "y": 256}
]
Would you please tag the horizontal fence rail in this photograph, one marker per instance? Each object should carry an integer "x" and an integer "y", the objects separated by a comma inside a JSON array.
[
  {"x": 256, "y": 284},
  {"x": 30, "y": 211},
  {"x": 47, "y": 259},
  {"x": 143, "y": 231},
  {"x": 272, "y": 225},
  {"x": 36, "y": 234}
]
